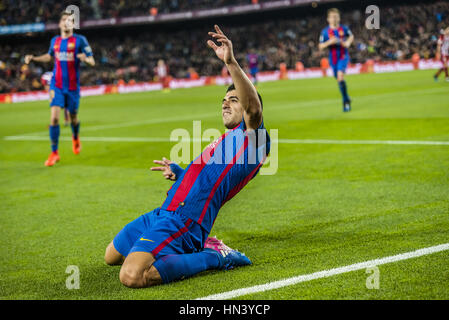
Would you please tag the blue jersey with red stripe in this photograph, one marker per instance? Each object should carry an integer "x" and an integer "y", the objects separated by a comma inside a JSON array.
[
  {"x": 218, "y": 174},
  {"x": 336, "y": 51},
  {"x": 66, "y": 73},
  {"x": 253, "y": 60}
]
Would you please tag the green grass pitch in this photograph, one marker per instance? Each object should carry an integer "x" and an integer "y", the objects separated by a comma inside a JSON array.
[{"x": 329, "y": 205}]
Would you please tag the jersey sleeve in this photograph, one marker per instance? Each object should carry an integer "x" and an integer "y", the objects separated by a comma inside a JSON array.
[
  {"x": 176, "y": 169},
  {"x": 323, "y": 36},
  {"x": 84, "y": 47},
  {"x": 348, "y": 31},
  {"x": 51, "y": 49}
]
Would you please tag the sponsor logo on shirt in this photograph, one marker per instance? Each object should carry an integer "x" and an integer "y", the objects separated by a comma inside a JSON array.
[{"x": 65, "y": 56}]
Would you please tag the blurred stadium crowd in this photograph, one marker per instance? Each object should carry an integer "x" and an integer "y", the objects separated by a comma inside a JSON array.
[
  {"x": 405, "y": 30},
  {"x": 28, "y": 11}
]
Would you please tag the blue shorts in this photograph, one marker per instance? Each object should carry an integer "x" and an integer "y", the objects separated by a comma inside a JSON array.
[
  {"x": 65, "y": 99},
  {"x": 160, "y": 233},
  {"x": 254, "y": 71},
  {"x": 340, "y": 66}
]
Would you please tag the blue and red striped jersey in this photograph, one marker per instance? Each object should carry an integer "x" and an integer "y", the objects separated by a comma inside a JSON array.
[
  {"x": 336, "y": 51},
  {"x": 218, "y": 174},
  {"x": 253, "y": 60},
  {"x": 66, "y": 73}
]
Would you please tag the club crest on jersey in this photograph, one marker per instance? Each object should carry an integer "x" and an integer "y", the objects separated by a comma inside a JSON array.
[
  {"x": 341, "y": 33},
  {"x": 71, "y": 45}
]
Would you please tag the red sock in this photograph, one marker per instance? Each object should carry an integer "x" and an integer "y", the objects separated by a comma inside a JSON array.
[{"x": 445, "y": 72}]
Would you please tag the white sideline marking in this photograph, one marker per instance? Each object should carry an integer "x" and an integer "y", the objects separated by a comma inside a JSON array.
[
  {"x": 329, "y": 141},
  {"x": 325, "y": 274},
  {"x": 291, "y": 105},
  {"x": 289, "y": 141},
  {"x": 140, "y": 123}
]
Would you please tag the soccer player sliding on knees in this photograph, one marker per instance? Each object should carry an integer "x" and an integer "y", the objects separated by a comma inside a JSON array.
[{"x": 171, "y": 242}]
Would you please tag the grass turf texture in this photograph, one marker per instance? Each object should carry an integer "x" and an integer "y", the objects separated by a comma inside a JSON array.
[{"x": 328, "y": 205}]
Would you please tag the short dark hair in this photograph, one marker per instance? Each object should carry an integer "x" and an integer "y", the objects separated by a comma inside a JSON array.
[
  {"x": 333, "y": 10},
  {"x": 232, "y": 87}
]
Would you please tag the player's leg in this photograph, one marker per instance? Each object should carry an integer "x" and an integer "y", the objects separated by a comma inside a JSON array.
[
  {"x": 66, "y": 117},
  {"x": 54, "y": 132},
  {"x": 181, "y": 250},
  {"x": 73, "y": 106},
  {"x": 122, "y": 243},
  {"x": 437, "y": 74},
  {"x": 112, "y": 257},
  {"x": 215, "y": 255},
  {"x": 138, "y": 271},
  {"x": 254, "y": 72},
  {"x": 170, "y": 249},
  {"x": 445, "y": 67},
  {"x": 341, "y": 69}
]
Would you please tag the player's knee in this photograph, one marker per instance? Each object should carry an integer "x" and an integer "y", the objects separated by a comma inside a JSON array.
[
  {"x": 54, "y": 121},
  {"x": 131, "y": 277}
]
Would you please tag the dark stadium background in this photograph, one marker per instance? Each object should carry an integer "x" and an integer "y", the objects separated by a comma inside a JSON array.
[{"x": 408, "y": 26}]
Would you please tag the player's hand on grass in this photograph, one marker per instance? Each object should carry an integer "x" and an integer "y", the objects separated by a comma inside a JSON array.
[
  {"x": 28, "y": 58},
  {"x": 165, "y": 168},
  {"x": 223, "y": 51}
]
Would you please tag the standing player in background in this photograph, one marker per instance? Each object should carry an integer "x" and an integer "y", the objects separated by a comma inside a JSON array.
[
  {"x": 68, "y": 50},
  {"x": 338, "y": 38},
  {"x": 443, "y": 53},
  {"x": 162, "y": 74},
  {"x": 253, "y": 63}
]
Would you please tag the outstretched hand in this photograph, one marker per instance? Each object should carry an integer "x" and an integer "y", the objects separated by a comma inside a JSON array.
[
  {"x": 223, "y": 51},
  {"x": 165, "y": 168},
  {"x": 28, "y": 58}
]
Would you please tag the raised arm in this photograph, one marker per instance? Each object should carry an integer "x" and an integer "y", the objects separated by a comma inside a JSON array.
[{"x": 246, "y": 91}]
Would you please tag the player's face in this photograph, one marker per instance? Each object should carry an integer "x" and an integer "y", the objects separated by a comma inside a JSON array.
[
  {"x": 66, "y": 23},
  {"x": 333, "y": 18},
  {"x": 232, "y": 110}
]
